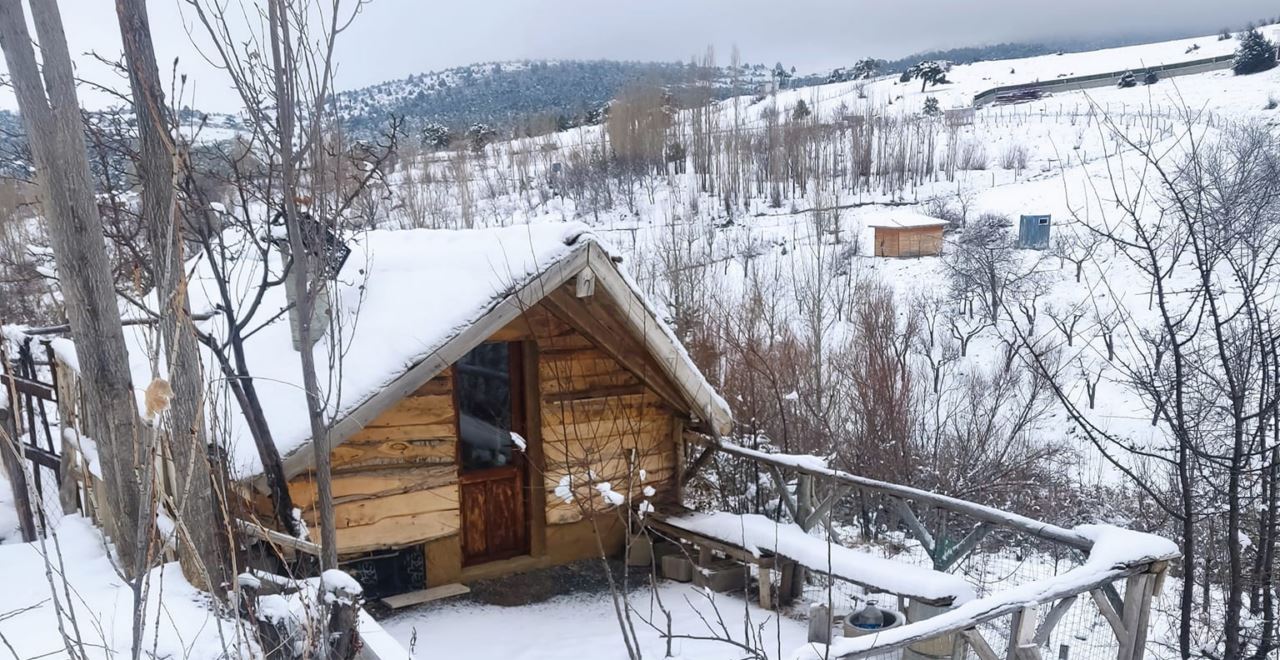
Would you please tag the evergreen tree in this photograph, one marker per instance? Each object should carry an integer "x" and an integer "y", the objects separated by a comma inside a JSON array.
[
  {"x": 931, "y": 106},
  {"x": 436, "y": 136},
  {"x": 867, "y": 68},
  {"x": 800, "y": 111},
  {"x": 480, "y": 135},
  {"x": 1254, "y": 54},
  {"x": 928, "y": 72}
]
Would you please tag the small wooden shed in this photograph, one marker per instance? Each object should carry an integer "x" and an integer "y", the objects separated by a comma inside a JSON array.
[
  {"x": 506, "y": 396},
  {"x": 905, "y": 234}
]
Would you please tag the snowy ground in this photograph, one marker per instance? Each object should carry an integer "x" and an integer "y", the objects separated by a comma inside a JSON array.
[
  {"x": 583, "y": 626},
  {"x": 70, "y": 585}
]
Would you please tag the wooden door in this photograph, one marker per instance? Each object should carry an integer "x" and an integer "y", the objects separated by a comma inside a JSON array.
[
  {"x": 493, "y": 515},
  {"x": 489, "y": 395}
]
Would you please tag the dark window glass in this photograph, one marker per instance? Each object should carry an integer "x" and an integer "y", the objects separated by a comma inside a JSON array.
[{"x": 483, "y": 382}]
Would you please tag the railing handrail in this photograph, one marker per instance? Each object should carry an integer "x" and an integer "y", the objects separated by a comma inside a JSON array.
[{"x": 981, "y": 512}]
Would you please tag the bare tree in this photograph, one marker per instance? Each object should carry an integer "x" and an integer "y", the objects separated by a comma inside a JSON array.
[
  {"x": 195, "y": 509},
  {"x": 1204, "y": 366},
  {"x": 51, "y": 115}
]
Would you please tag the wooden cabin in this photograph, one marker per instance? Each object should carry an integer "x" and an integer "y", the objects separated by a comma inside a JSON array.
[
  {"x": 905, "y": 234},
  {"x": 542, "y": 419}
]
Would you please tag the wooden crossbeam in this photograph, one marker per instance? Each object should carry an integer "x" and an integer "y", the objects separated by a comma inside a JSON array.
[
  {"x": 964, "y": 547},
  {"x": 1109, "y": 613},
  {"x": 979, "y": 644},
  {"x": 1051, "y": 619},
  {"x": 278, "y": 538},
  {"x": 825, "y": 505},
  {"x": 917, "y": 528}
]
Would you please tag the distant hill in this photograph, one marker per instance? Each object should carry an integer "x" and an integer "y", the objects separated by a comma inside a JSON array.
[{"x": 504, "y": 94}]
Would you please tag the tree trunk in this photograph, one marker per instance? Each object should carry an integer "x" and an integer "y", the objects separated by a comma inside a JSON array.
[
  {"x": 199, "y": 518},
  {"x": 303, "y": 269},
  {"x": 51, "y": 115}
]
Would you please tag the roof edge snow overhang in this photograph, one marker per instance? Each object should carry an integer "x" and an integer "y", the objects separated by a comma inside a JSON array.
[{"x": 587, "y": 255}]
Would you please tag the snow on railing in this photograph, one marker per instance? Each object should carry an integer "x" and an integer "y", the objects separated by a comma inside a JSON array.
[
  {"x": 1111, "y": 555},
  {"x": 1116, "y": 554}
]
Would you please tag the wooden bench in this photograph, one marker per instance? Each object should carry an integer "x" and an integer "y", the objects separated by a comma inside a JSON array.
[{"x": 765, "y": 543}]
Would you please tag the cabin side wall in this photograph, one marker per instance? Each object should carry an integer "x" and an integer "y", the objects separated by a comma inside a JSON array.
[
  {"x": 908, "y": 242},
  {"x": 396, "y": 481}
]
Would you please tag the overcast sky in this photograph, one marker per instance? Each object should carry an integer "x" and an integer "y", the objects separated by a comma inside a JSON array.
[{"x": 395, "y": 38}]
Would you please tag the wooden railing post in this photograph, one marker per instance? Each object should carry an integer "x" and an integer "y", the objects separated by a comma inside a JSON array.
[
  {"x": 804, "y": 507},
  {"x": 11, "y": 455},
  {"x": 1022, "y": 633}
]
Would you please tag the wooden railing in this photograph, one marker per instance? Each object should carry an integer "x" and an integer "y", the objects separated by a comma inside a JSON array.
[{"x": 1119, "y": 572}]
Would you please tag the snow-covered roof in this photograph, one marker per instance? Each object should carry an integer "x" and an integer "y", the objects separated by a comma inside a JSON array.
[
  {"x": 900, "y": 219},
  {"x": 406, "y": 305}
]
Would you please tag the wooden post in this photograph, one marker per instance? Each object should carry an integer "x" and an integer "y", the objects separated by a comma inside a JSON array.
[
  {"x": 11, "y": 453},
  {"x": 765, "y": 577},
  {"x": 786, "y": 580},
  {"x": 804, "y": 507},
  {"x": 1138, "y": 591},
  {"x": 819, "y": 624},
  {"x": 1022, "y": 631}
]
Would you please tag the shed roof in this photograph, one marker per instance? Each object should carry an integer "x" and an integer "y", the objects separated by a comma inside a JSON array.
[
  {"x": 408, "y": 304},
  {"x": 900, "y": 219}
]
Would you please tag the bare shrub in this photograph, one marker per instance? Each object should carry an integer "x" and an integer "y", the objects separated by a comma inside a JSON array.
[
  {"x": 972, "y": 155},
  {"x": 1014, "y": 157}
]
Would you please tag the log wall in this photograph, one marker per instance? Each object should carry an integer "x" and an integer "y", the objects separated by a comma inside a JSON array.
[{"x": 396, "y": 481}]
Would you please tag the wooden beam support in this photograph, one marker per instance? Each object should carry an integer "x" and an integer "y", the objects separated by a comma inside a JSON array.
[
  {"x": 964, "y": 547},
  {"x": 1051, "y": 619},
  {"x": 979, "y": 644},
  {"x": 825, "y": 505},
  {"x": 1109, "y": 612},
  {"x": 584, "y": 284},
  {"x": 788, "y": 501},
  {"x": 698, "y": 464},
  {"x": 765, "y": 581},
  {"x": 277, "y": 538},
  {"x": 917, "y": 528},
  {"x": 1136, "y": 614}
]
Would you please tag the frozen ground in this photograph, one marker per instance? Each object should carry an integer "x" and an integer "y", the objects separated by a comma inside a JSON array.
[
  {"x": 68, "y": 584},
  {"x": 583, "y": 627}
]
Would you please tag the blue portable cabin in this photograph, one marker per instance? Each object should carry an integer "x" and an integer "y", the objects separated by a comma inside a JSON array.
[{"x": 1033, "y": 232}]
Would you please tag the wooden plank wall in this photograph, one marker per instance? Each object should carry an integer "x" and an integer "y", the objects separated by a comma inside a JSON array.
[
  {"x": 911, "y": 242},
  {"x": 598, "y": 419},
  {"x": 395, "y": 482}
]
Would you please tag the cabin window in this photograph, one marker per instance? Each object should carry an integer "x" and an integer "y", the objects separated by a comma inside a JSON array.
[{"x": 484, "y": 383}]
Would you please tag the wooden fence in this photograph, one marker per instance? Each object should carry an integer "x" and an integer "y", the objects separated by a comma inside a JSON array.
[
  {"x": 1114, "y": 581},
  {"x": 28, "y": 426}
]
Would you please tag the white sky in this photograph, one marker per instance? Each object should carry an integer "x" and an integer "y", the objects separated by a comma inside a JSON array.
[{"x": 395, "y": 38}]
